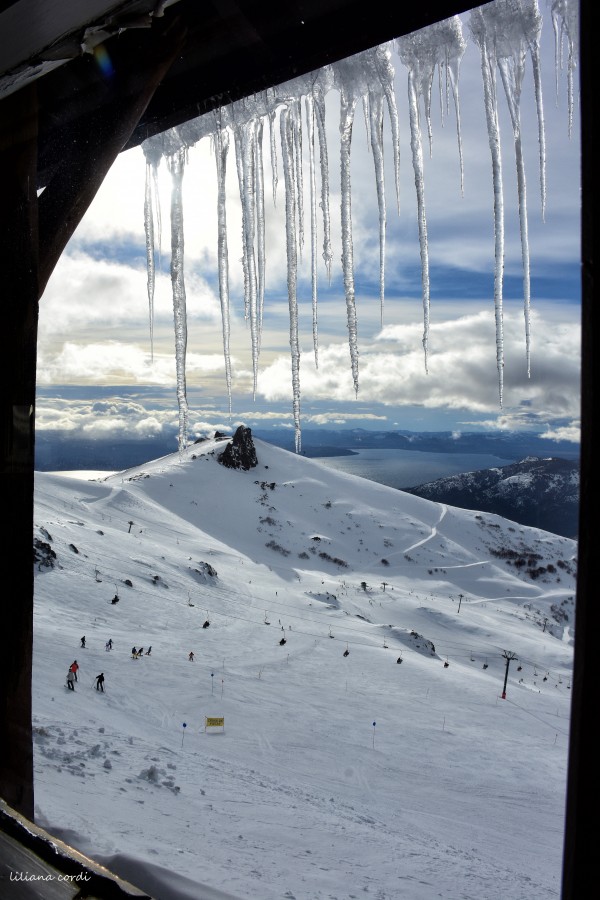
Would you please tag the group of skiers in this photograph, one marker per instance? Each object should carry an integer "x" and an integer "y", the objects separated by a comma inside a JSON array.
[
  {"x": 136, "y": 653},
  {"x": 72, "y": 677}
]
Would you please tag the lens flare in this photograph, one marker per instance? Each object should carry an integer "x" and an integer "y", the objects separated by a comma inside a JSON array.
[{"x": 104, "y": 60}]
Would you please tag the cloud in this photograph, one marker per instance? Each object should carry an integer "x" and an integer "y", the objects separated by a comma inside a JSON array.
[
  {"x": 462, "y": 372},
  {"x": 114, "y": 362}
]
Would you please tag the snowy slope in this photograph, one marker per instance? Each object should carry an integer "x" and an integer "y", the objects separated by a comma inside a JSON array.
[{"x": 337, "y": 774}]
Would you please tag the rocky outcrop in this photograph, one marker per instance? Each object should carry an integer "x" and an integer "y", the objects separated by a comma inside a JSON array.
[{"x": 240, "y": 453}]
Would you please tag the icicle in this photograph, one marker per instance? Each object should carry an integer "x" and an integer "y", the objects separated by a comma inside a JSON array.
[
  {"x": 565, "y": 21},
  {"x": 273, "y": 148},
  {"x": 534, "y": 49},
  {"x": 441, "y": 44},
  {"x": 152, "y": 227},
  {"x": 505, "y": 31},
  {"x": 385, "y": 71},
  {"x": 347, "y": 107},
  {"x": 260, "y": 224},
  {"x": 149, "y": 229},
  {"x": 512, "y": 73},
  {"x": 176, "y": 164},
  {"x": 409, "y": 54},
  {"x": 319, "y": 103},
  {"x": 310, "y": 127},
  {"x": 245, "y": 143},
  {"x": 221, "y": 145},
  {"x": 378, "y": 75},
  {"x": 289, "y": 148},
  {"x": 478, "y": 28},
  {"x": 375, "y": 107},
  {"x": 296, "y": 119},
  {"x": 454, "y": 53}
]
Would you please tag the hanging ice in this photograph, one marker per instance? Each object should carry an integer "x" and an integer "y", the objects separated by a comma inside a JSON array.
[
  {"x": 380, "y": 89},
  {"x": 505, "y": 31},
  {"x": 289, "y": 151},
  {"x": 176, "y": 164},
  {"x": 245, "y": 146},
  {"x": 565, "y": 21},
  {"x": 151, "y": 215},
  {"x": 441, "y": 45},
  {"x": 221, "y": 148}
]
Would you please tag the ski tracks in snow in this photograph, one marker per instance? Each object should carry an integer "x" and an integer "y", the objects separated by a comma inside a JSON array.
[{"x": 434, "y": 530}]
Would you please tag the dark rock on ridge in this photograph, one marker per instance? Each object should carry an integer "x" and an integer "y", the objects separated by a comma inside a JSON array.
[{"x": 240, "y": 453}]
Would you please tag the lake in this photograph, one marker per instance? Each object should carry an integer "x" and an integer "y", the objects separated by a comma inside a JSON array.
[{"x": 408, "y": 468}]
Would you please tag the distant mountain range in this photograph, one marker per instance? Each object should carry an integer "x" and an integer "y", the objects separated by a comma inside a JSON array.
[
  {"x": 505, "y": 444},
  {"x": 543, "y": 493},
  {"x": 55, "y": 452},
  {"x": 538, "y": 489}
]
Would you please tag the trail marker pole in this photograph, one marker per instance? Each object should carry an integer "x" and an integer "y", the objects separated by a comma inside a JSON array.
[
  {"x": 374, "y": 724},
  {"x": 184, "y": 726},
  {"x": 212, "y": 682}
]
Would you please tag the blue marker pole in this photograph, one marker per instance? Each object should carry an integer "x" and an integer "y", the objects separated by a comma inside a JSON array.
[
  {"x": 374, "y": 724},
  {"x": 212, "y": 682},
  {"x": 183, "y": 733}
]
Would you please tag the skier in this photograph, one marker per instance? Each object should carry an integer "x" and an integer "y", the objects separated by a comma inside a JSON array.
[
  {"x": 71, "y": 680},
  {"x": 73, "y": 668},
  {"x": 100, "y": 682},
  {"x": 140, "y": 652},
  {"x": 149, "y": 650},
  {"x": 134, "y": 653},
  {"x": 191, "y": 657},
  {"x": 109, "y": 644},
  {"x": 83, "y": 641}
]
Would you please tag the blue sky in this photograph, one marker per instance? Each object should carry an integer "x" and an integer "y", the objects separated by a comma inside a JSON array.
[{"x": 94, "y": 328}]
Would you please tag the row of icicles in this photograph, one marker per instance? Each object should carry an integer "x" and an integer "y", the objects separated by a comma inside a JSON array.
[{"x": 507, "y": 33}]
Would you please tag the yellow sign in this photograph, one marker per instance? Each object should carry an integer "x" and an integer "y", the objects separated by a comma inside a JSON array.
[{"x": 214, "y": 722}]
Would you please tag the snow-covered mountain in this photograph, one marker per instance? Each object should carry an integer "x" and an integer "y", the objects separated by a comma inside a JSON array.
[
  {"x": 354, "y": 639},
  {"x": 539, "y": 492}
]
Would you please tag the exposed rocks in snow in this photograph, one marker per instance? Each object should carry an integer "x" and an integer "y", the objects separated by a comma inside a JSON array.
[
  {"x": 240, "y": 453},
  {"x": 205, "y": 571},
  {"x": 43, "y": 554}
]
